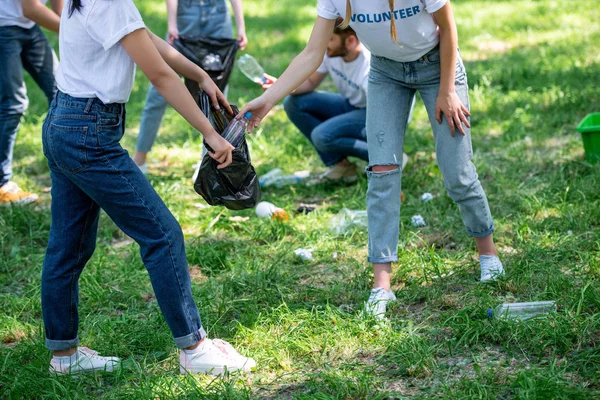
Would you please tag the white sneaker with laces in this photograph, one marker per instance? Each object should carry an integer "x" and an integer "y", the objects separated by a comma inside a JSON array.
[
  {"x": 84, "y": 360},
  {"x": 491, "y": 268},
  {"x": 377, "y": 303},
  {"x": 214, "y": 357}
]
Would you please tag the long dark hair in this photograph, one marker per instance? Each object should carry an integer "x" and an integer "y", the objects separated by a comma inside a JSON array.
[{"x": 75, "y": 5}]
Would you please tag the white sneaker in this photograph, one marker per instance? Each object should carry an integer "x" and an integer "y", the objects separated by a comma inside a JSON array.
[
  {"x": 214, "y": 357},
  {"x": 84, "y": 360},
  {"x": 377, "y": 303},
  {"x": 143, "y": 168},
  {"x": 491, "y": 268}
]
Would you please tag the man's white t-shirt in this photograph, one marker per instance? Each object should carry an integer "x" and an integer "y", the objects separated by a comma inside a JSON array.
[
  {"x": 92, "y": 61},
  {"x": 350, "y": 78},
  {"x": 416, "y": 31},
  {"x": 11, "y": 14}
]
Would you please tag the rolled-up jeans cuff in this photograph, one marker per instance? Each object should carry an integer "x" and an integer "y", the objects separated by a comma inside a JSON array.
[
  {"x": 382, "y": 260},
  {"x": 482, "y": 234},
  {"x": 191, "y": 339},
  {"x": 56, "y": 345}
]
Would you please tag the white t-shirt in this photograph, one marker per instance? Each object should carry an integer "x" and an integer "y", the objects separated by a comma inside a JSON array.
[
  {"x": 11, "y": 14},
  {"x": 92, "y": 61},
  {"x": 416, "y": 31},
  {"x": 350, "y": 78}
]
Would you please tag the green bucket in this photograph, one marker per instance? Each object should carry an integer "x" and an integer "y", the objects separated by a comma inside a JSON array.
[{"x": 590, "y": 133}]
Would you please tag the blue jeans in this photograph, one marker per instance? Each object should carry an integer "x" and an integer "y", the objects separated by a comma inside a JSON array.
[
  {"x": 195, "y": 19},
  {"x": 91, "y": 171},
  {"x": 392, "y": 85},
  {"x": 20, "y": 48},
  {"x": 334, "y": 127}
]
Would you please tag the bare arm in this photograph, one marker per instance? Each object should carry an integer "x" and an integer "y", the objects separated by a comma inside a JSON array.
[
  {"x": 448, "y": 102},
  {"x": 238, "y": 14},
  {"x": 41, "y": 15},
  {"x": 57, "y": 6},
  {"x": 172, "y": 28},
  {"x": 311, "y": 83},
  {"x": 307, "y": 86},
  {"x": 142, "y": 51},
  {"x": 301, "y": 68},
  {"x": 185, "y": 67}
]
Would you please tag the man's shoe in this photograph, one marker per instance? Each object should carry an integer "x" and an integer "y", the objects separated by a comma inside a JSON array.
[
  {"x": 491, "y": 268},
  {"x": 11, "y": 193},
  {"x": 377, "y": 303},
  {"x": 84, "y": 360},
  {"x": 337, "y": 173},
  {"x": 214, "y": 357}
]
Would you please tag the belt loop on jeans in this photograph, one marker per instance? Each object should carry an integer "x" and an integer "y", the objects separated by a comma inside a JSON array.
[{"x": 88, "y": 106}]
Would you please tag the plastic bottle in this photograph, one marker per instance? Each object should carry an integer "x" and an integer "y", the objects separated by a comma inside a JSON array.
[
  {"x": 234, "y": 132},
  {"x": 266, "y": 178},
  {"x": 283, "y": 180},
  {"x": 521, "y": 311},
  {"x": 251, "y": 68}
]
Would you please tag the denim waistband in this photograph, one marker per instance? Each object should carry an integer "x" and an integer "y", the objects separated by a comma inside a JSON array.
[
  {"x": 436, "y": 49},
  {"x": 88, "y": 104}
]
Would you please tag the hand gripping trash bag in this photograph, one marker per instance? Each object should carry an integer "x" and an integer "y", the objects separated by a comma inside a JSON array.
[
  {"x": 215, "y": 56},
  {"x": 236, "y": 186}
]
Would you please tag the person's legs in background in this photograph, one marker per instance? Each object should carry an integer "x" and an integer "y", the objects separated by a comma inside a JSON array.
[
  {"x": 20, "y": 48},
  {"x": 343, "y": 136}
]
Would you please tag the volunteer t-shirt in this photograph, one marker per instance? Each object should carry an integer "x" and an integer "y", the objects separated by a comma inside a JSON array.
[
  {"x": 350, "y": 78},
  {"x": 416, "y": 31},
  {"x": 11, "y": 14},
  {"x": 92, "y": 61}
]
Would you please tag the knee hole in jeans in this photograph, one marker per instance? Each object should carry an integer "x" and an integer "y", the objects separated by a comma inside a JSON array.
[{"x": 379, "y": 169}]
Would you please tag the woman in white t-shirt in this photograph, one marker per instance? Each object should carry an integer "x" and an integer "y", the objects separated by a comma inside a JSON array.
[
  {"x": 100, "y": 42},
  {"x": 414, "y": 47}
]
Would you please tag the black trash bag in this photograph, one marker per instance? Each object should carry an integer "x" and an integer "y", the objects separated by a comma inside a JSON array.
[
  {"x": 236, "y": 186},
  {"x": 215, "y": 56}
]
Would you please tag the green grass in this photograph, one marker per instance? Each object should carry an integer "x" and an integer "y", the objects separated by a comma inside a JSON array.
[{"x": 534, "y": 73}]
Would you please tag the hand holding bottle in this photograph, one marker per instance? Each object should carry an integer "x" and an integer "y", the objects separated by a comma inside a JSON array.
[{"x": 259, "y": 108}]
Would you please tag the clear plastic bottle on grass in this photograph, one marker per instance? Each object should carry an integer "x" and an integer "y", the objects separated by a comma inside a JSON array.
[{"x": 522, "y": 311}]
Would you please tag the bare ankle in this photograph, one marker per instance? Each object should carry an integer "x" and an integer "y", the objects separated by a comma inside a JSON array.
[
  {"x": 196, "y": 345},
  {"x": 65, "y": 353}
]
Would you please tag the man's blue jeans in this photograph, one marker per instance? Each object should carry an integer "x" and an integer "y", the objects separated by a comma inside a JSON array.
[
  {"x": 195, "y": 19},
  {"x": 20, "y": 49},
  {"x": 91, "y": 171},
  {"x": 328, "y": 120}
]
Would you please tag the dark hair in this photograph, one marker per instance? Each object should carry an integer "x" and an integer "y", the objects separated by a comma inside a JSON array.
[
  {"x": 75, "y": 5},
  {"x": 343, "y": 31}
]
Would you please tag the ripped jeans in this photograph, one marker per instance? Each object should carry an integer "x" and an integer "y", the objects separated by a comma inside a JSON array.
[{"x": 392, "y": 86}]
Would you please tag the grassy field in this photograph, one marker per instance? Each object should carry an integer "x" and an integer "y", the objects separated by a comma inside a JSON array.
[{"x": 534, "y": 73}]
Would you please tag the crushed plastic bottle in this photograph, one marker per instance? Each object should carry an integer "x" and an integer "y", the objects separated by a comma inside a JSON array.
[
  {"x": 418, "y": 221},
  {"x": 522, "y": 311},
  {"x": 305, "y": 254},
  {"x": 251, "y": 68},
  {"x": 347, "y": 219},
  {"x": 426, "y": 197},
  {"x": 212, "y": 62}
]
